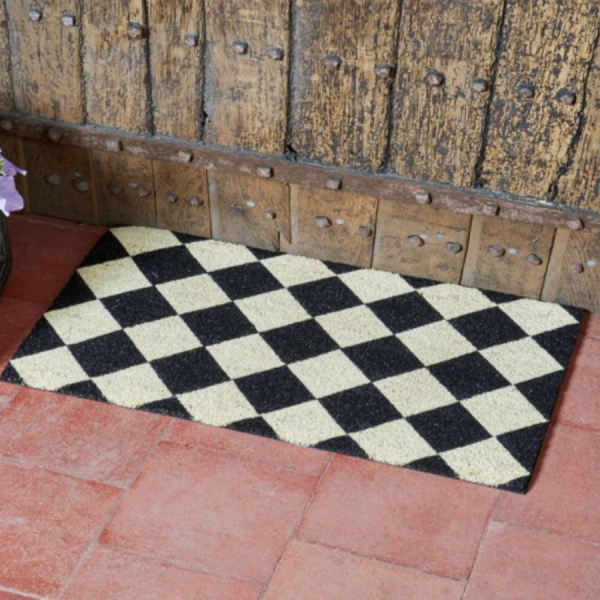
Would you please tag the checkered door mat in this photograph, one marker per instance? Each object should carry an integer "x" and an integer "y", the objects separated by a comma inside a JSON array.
[{"x": 431, "y": 376}]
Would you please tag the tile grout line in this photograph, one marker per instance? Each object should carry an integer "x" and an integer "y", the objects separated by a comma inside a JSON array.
[{"x": 20, "y": 594}]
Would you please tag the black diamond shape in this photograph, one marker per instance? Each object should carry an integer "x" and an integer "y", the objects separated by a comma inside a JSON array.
[
  {"x": 168, "y": 264},
  {"x": 525, "y": 444},
  {"x": 339, "y": 268},
  {"x": 107, "y": 354},
  {"x": 360, "y": 408},
  {"x": 299, "y": 341},
  {"x": 263, "y": 254},
  {"x": 189, "y": 371},
  {"x": 108, "y": 248},
  {"x": 42, "y": 338},
  {"x": 255, "y": 426},
  {"x": 324, "y": 296},
  {"x": 542, "y": 392},
  {"x": 170, "y": 407},
  {"x": 383, "y": 358},
  {"x": 559, "y": 343},
  {"x": 246, "y": 280},
  {"x": 139, "y": 306},
  {"x": 419, "y": 282},
  {"x": 518, "y": 486},
  {"x": 186, "y": 238},
  {"x": 343, "y": 444},
  {"x": 75, "y": 292},
  {"x": 10, "y": 375},
  {"x": 83, "y": 389},
  {"x": 272, "y": 390},
  {"x": 489, "y": 327},
  {"x": 404, "y": 312},
  {"x": 218, "y": 324},
  {"x": 448, "y": 427},
  {"x": 432, "y": 464},
  {"x": 468, "y": 376},
  {"x": 498, "y": 297}
]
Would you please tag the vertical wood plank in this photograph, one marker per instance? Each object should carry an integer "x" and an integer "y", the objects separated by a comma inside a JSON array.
[
  {"x": 6, "y": 91},
  {"x": 246, "y": 91},
  {"x": 547, "y": 45},
  {"x": 46, "y": 60},
  {"x": 59, "y": 180},
  {"x": 181, "y": 198},
  {"x": 437, "y": 130},
  {"x": 176, "y": 43},
  {"x": 340, "y": 115},
  {"x": 248, "y": 210},
  {"x": 500, "y": 256},
  {"x": 116, "y": 67},
  {"x": 124, "y": 189}
]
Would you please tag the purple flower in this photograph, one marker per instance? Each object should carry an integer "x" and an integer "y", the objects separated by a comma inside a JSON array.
[
  {"x": 8, "y": 169},
  {"x": 10, "y": 199}
]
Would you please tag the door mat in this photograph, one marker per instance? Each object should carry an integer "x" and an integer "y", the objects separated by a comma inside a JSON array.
[{"x": 431, "y": 376}]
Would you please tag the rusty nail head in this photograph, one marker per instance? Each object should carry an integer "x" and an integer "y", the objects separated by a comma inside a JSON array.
[
  {"x": 434, "y": 79},
  {"x": 115, "y": 188},
  {"x": 191, "y": 39},
  {"x": 534, "y": 259},
  {"x": 322, "y": 222},
  {"x": 526, "y": 91},
  {"x": 6, "y": 125},
  {"x": 184, "y": 157},
  {"x": 196, "y": 201},
  {"x": 365, "y": 231},
  {"x": 53, "y": 179},
  {"x": 423, "y": 198},
  {"x": 114, "y": 145},
  {"x": 480, "y": 85},
  {"x": 333, "y": 184},
  {"x": 171, "y": 198},
  {"x": 416, "y": 240},
  {"x": 135, "y": 31},
  {"x": 496, "y": 251},
  {"x": 454, "y": 247},
  {"x": 81, "y": 185},
  {"x": 269, "y": 215},
  {"x": 575, "y": 224},
  {"x": 54, "y": 135},
  {"x": 265, "y": 172},
  {"x": 332, "y": 62},
  {"x": 143, "y": 192},
  {"x": 240, "y": 47},
  {"x": 68, "y": 20},
  {"x": 384, "y": 71},
  {"x": 566, "y": 97},
  {"x": 275, "y": 52},
  {"x": 35, "y": 14},
  {"x": 490, "y": 208},
  {"x": 576, "y": 267}
]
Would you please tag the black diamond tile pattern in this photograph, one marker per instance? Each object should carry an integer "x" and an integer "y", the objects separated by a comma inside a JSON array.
[{"x": 293, "y": 381}]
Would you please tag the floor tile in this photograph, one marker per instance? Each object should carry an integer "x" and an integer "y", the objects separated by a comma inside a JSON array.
[
  {"x": 578, "y": 404},
  {"x": 47, "y": 520},
  {"x": 88, "y": 439},
  {"x": 209, "y": 511},
  {"x": 17, "y": 317},
  {"x": 591, "y": 325},
  {"x": 7, "y": 393},
  {"x": 248, "y": 447},
  {"x": 11, "y": 596},
  {"x": 563, "y": 497},
  {"x": 309, "y": 571},
  {"x": 521, "y": 564},
  {"x": 109, "y": 573},
  {"x": 409, "y": 518}
]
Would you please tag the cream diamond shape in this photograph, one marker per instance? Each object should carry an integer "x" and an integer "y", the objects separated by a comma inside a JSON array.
[
  {"x": 132, "y": 387},
  {"x": 50, "y": 370},
  {"x": 395, "y": 443},
  {"x": 452, "y": 300},
  {"x": 370, "y": 285},
  {"x": 137, "y": 240},
  {"x": 214, "y": 255},
  {"x": 534, "y": 317},
  {"x": 415, "y": 392},
  {"x": 503, "y": 410},
  {"x": 436, "y": 343},
  {"x": 245, "y": 356},
  {"x": 273, "y": 309},
  {"x": 328, "y": 374},
  {"x": 161, "y": 338},
  {"x": 305, "y": 424},
  {"x": 193, "y": 293},
  {"x": 82, "y": 322},
  {"x": 521, "y": 360},
  {"x": 487, "y": 462},
  {"x": 294, "y": 270},
  {"x": 353, "y": 326},
  {"x": 114, "y": 277},
  {"x": 218, "y": 405}
]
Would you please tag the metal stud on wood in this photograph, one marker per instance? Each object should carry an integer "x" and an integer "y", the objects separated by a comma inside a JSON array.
[
  {"x": 384, "y": 71},
  {"x": 534, "y": 259},
  {"x": 240, "y": 47},
  {"x": 196, "y": 201},
  {"x": 35, "y": 14},
  {"x": 365, "y": 231},
  {"x": 114, "y": 145},
  {"x": 269, "y": 215},
  {"x": 575, "y": 224},
  {"x": 576, "y": 268},
  {"x": 416, "y": 240},
  {"x": 143, "y": 192},
  {"x": 6, "y": 125},
  {"x": 333, "y": 184},
  {"x": 496, "y": 251},
  {"x": 68, "y": 20},
  {"x": 135, "y": 31},
  {"x": 526, "y": 91},
  {"x": 265, "y": 172},
  {"x": 275, "y": 52},
  {"x": 423, "y": 198},
  {"x": 52, "y": 179},
  {"x": 191, "y": 40},
  {"x": 322, "y": 222},
  {"x": 491, "y": 209},
  {"x": 454, "y": 247},
  {"x": 54, "y": 135},
  {"x": 567, "y": 97},
  {"x": 81, "y": 185},
  {"x": 185, "y": 157},
  {"x": 332, "y": 62},
  {"x": 480, "y": 85},
  {"x": 115, "y": 188},
  {"x": 171, "y": 198},
  {"x": 434, "y": 79}
]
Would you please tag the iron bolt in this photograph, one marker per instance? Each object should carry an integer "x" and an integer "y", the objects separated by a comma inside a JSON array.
[
  {"x": 184, "y": 157},
  {"x": 6, "y": 125},
  {"x": 423, "y": 197},
  {"x": 240, "y": 47},
  {"x": 114, "y": 145},
  {"x": 134, "y": 185},
  {"x": 190, "y": 39},
  {"x": 416, "y": 240},
  {"x": 265, "y": 172},
  {"x": 54, "y": 135},
  {"x": 269, "y": 215},
  {"x": 68, "y": 20},
  {"x": 526, "y": 91},
  {"x": 534, "y": 259},
  {"x": 115, "y": 188},
  {"x": 275, "y": 52},
  {"x": 566, "y": 97},
  {"x": 434, "y": 79},
  {"x": 322, "y": 222},
  {"x": 575, "y": 224},
  {"x": 135, "y": 31},
  {"x": 35, "y": 14},
  {"x": 576, "y": 267},
  {"x": 480, "y": 85},
  {"x": 81, "y": 185},
  {"x": 171, "y": 198},
  {"x": 332, "y": 62},
  {"x": 365, "y": 231},
  {"x": 143, "y": 192},
  {"x": 196, "y": 201},
  {"x": 384, "y": 71},
  {"x": 53, "y": 179},
  {"x": 496, "y": 251},
  {"x": 454, "y": 247},
  {"x": 333, "y": 184},
  {"x": 491, "y": 209}
]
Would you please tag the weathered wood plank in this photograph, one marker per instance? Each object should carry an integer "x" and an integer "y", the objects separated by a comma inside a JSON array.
[
  {"x": 437, "y": 130},
  {"x": 124, "y": 189},
  {"x": 60, "y": 181},
  {"x": 176, "y": 43},
  {"x": 6, "y": 90},
  {"x": 420, "y": 241},
  {"x": 181, "y": 198},
  {"x": 246, "y": 90},
  {"x": 337, "y": 226},
  {"x": 248, "y": 210},
  {"x": 45, "y": 57},
  {"x": 340, "y": 114},
  {"x": 115, "y": 64},
  {"x": 548, "y": 46},
  {"x": 507, "y": 257}
]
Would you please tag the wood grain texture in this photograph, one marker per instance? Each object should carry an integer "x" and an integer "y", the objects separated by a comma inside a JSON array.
[
  {"x": 181, "y": 198},
  {"x": 341, "y": 241},
  {"x": 564, "y": 283},
  {"x": 124, "y": 189},
  {"x": 437, "y": 131},
  {"x": 116, "y": 67},
  {"x": 246, "y": 94},
  {"x": 549, "y": 45},
  {"x": 340, "y": 116},
  {"x": 580, "y": 185},
  {"x": 510, "y": 273},
  {"x": 6, "y": 91},
  {"x": 248, "y": 210},
  {"x": 393, "y": 251},
  {"x": 46, "y": 60},
  {"x": 60, "y": 181},
  {"x": 176, "y": 66}
]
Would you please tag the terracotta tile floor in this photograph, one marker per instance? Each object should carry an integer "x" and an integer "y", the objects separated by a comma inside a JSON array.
[{"x": 102, "y": 502}]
